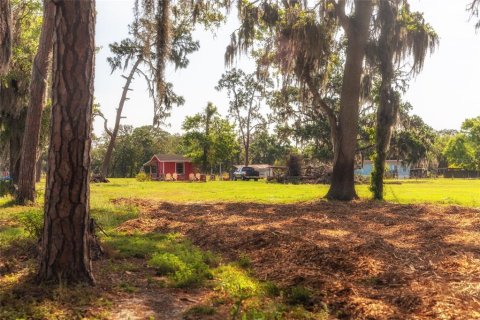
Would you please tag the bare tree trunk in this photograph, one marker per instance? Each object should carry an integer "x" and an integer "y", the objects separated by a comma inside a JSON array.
[
  {"x": 38, "y": 89},
  {"x": 65, "y": 247},
  {"x": 5, "y": 35},
  {"x": 38, "y": 169},
  {"x": 247, "y": 150},
  {"x": 389, "y": 100},
  {"x": 113, "y": 136},
  {"x": 16, "y": 132},
  {"x": 206, "y": 142},
  {"x": 343, "y": 184}
]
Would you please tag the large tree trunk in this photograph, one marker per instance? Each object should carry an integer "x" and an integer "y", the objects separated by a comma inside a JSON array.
[
  {"x": 38, "y": 88},
  {"x": 5, "y": 35},
  {"x": 38, "y": 169},
  {"x": 343, "y": 184},
  {"x": 16, "y": 128},
  {"x": 389, "y": 100},
  {"x": 65, "y": 247},
  {"x": 113, "y": 136}
]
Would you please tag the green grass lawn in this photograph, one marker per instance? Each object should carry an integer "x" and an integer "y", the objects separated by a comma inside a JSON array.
[{"x": 439, "y": 191}]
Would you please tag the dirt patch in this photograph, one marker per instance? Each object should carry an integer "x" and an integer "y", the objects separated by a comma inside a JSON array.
[{"x": 367, "y": 260}]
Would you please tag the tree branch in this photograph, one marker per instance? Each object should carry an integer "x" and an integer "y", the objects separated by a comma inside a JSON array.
[
  {"x": 99, "y": 113},
  {"x": 342, "y": 16}
]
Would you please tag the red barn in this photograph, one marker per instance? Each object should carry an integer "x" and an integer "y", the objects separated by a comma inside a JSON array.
[{"x": 162, "y": 164}]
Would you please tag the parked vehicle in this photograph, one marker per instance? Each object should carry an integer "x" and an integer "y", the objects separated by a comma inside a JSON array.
[{"x": 246, "y": 173}]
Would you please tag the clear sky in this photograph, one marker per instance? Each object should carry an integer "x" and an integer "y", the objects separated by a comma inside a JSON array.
[{"x": 444, "y": 94}]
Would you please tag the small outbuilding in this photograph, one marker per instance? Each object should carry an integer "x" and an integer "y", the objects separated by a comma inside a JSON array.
[
  {"x": 395, "y": 169},
  {"x": 162, "y": 164}
]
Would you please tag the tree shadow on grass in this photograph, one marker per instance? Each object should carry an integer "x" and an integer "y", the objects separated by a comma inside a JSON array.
[{"x": 23, "y": 298}]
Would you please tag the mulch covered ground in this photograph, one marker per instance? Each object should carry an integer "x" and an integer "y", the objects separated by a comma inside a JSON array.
[{"x": 365, "y": 260}]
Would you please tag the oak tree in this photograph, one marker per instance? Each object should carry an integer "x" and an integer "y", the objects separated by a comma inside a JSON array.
[
  {"x": 38, "y": 89},
  {"x": 5, "y": 35}
]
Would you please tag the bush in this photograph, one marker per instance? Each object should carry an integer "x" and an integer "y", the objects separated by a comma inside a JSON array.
[
  {"x": 294, "y": 165},
  {"x": 236, "y": 282},
  {"x": 166, "y": 263},
  {"x": 199, "y": 311},
  {"x": 6, "y": 187},
  {"x": 32, "y": 222},
  {"x": 244, "y": 261},
  {"x": 184, "y": 264},
  {"x": 299, "y": 295},
  {"x": 142, "y": 177},
  {"x": 271, "y": 289}
]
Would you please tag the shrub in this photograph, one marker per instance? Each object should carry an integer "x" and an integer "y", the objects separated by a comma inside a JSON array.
[
  {"x": 299, "y": 295},
  {"x": 166, "y": 263},
  {"x": 236, "y": 282},
  {"x": 244, "y": 262},
  {"x": 199, "y": 311},
  {"x": 184, "y": 264},
  {"x": 6, "y": 187},
  {"x": 32, "y": 222},
  {"x": 271, "y": 289},
  {"x": 294, "y": 165},
  {"x": 142, "y": 177}
]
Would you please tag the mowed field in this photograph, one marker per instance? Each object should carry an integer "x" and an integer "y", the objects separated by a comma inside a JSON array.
[
  {"x": 253, "y": 250},
  {"x": 440, "y": 191}
]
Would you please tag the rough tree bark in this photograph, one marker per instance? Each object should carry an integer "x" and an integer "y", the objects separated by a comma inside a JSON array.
[
  {"x": 113, "y": 135},
  {"x": 5, "y": 35},
  {"x": 16, "y": 126},
  {"x": 389, "y": 102},
  {"x": 38, "y": 89},
  {"x": 65, "y": 247},
  {"x": 38, "y": 169},
  {"x": 358, "y": 31}
]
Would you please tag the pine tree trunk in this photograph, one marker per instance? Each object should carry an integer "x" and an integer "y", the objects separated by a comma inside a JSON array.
[
  {"x": 16, "y": 127},
  {"x": 343, "y": 183},
  {"x": 38, "y": 89},
  {"x": 65, "y": 247},
  {"x": 38, "y": 169},
  {"x": 113, "y": 137},
  {"x": 5, "y": 35},
  {"x": 389, "y": 101}
]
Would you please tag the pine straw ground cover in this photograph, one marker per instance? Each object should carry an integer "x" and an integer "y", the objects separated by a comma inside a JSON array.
[{"x": 364, "y": 260}]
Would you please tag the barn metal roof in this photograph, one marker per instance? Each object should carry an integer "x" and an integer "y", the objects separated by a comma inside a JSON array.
[
  {"x": 168, "y": 158},
  {"x": 172, "y": 157}
]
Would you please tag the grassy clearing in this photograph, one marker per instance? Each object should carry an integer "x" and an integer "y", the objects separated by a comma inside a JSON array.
[
  {"x": 464, "y": 192},
  {"x": 218, "y": 191},
  {"x": 440, "y": 191}
]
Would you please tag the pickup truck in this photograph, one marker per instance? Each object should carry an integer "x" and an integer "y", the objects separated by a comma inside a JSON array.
[{"x": 246, "y": 173}]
